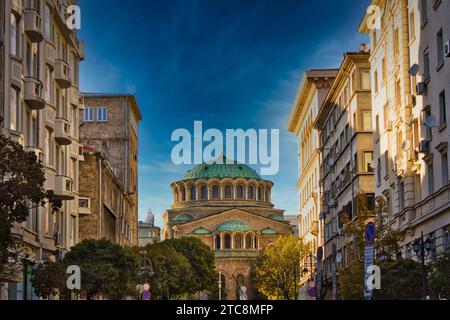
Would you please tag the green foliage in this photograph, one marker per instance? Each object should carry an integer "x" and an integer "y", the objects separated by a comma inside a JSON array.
[
  {"x": 105, "y": 268},
  {"x": 387, "y": 240},
  {"x": 201, "y": 259},
  {"x": 400, "y": 280},
  {"x": 49, "y": 279},
  {"x": 279, "y": 267},
  {"x": 440, "y": 278},
  {"x": 21, "y": 188}
]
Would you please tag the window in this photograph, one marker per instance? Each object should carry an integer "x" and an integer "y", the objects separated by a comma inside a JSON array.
[
  {"x": 367, "y": 120},
  {"x": 426, "y": 114},
  {"x": 14, "y": 35},
  {"x": 228, "y": 192},
  {"x": 442, "y": 110},
  {"x": 412, "y": 27},
  {"x": 379, "y": 171},
  {"x": 48, "y": 148},
  {"x": 430, "y": 172},
  {"x": 102, "y": 114},
  {"x": 47, "y": 24},
  {"x": 88, "y": 114},
  {"x": 240, "y": 192},
  {"x": 398, "y": 97},
  {"x": 250, "y": 193},
  {"x": 383, "y": 70},
  {"x": 193, "y": 193},
  {"x": 260, "y": 194},
  {"x": 368, "y": 158},
  {"x": 396, "y": 43},
  {"x": 238, "y": 241},
  {"x": 401, "y": 195},
  {"x": 424, "y": 11},
  {"x": 375, "y": 79},
  {"x": 444, "y": 161},
  {"x": 227, "y": 240},
  {"x": 377, "y": 127},
  {"x": 440, "y": 48},
  {"x": 365, "y": 80},
  {"x": 14, "y": 112},
  {"x": 218, "y": 246},
  {"x": 203, "y": 193},
  {"x": 215, "y": 192},
  {"x": 47, "y": 84},
  {"x": 426, "y": 64}
]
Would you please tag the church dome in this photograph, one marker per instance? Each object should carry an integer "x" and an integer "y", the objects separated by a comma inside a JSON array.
[{"x": 221, "y": 170}]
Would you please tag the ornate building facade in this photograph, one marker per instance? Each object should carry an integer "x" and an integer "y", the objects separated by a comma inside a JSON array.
[
  {"x": 228, "y": 207},
  {"x": 313, "y": 89},
  {"x": 39, "y": 109}
]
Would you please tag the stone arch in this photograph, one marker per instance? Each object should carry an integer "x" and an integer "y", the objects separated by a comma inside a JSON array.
[{"x": 238, "y": 240}]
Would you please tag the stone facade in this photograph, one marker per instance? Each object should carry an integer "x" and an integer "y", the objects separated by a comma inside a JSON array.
[
  {"x": 313, "y": 89},
  {"x": 106, "y": 211},
  {"x": 111, "y": 126},
  {"x": 344, "y": 122},
  {"x": 411, "y": 152},
  {"x": 148, "y": 233},
  {"x": 39, "y": 109},
  {"x": 229, "y": 212}
]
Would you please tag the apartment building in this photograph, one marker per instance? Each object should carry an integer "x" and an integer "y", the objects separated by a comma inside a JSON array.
[
  {"x": 106, "y": 210},
  {"x": 110, "y": 125},
  {"x": 344, "y": 122},
  {"x": 313, "y": 89},
  {"x": 411, "y": 88},
  {"x": 40, "y": 106}
]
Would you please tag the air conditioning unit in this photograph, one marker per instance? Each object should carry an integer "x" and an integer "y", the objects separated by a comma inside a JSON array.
[
  {"x": 447, "y": 49},
  {"x": 421, "y": 88},
  {"x": 423, "y": 146}
]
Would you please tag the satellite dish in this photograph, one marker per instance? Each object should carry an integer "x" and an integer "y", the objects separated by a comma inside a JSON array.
[
  {"x": 430, "y": 121},
  {"x": 414, "y": 70},
  {"x": 374, "y": 164},
  {"x": 331, "y": 162},
  {"x": 406, "y": 145}
]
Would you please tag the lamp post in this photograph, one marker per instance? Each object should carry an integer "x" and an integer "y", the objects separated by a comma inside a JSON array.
[
  {"x": 220, "y": 285},
  {"x": 422, "y": 249},
  {"x": 146, "y": 268}
]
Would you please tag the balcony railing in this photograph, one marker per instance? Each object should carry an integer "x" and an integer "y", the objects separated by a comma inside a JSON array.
[{"x": 236, "y": 253}]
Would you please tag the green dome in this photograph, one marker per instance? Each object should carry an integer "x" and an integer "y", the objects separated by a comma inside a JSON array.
[
  {"x": 183, "y": 218},
  {"x": 201, "y": 231},
  {"x": 220, "y": 171},
  {"x": 268, "y": 231},
  {"x": 234, "y": 226}
]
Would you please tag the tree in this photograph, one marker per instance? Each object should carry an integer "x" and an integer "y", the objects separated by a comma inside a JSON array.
[
  {"x": 277, "y": 272},
  {"x": 49, "y": 279},
  {"x": 201, "y": 259},
  {"x": 172, "y": 271},
  {"x": 106, "y": 269},
  {"x": 387, "y": 241},
  {"x": 400, "y": 280},
  {"x": 21, "y": 189},
  {"x": 440, "y": 277}
]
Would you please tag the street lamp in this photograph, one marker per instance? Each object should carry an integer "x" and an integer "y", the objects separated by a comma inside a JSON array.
[
  {"x": 146, "y": 268},
  {"x": 422, "y": 249}
]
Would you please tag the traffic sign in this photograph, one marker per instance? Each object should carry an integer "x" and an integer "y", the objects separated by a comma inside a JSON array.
[
  {"x": 369, "y": 233},
  {"x": 368, "y": 261},
  {"x": 146, "y": 295}
]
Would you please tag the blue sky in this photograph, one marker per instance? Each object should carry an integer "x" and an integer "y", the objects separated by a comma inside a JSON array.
[{"x": 230, "y": 64}]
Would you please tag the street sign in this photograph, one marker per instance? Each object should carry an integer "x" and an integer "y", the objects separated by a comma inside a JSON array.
[
  {"x": 369, "y": 233},
  {"x": 368, "y": 261}
]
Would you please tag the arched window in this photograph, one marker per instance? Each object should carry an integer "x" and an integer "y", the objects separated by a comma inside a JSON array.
[
  {"x": 203, "y": 193},
  {"x": 248, "y": 242},
  {"x": 183, "y": 194},
  {"x": 250, "y": 193},
  {"x": 215, "y": 192},
  {"x": 227, "y": 241},
  {"x": 228, "y": 192},
  {"x": 240, "y": 282},
  {"x": 218, "y": 244},
  {"x": 255, "y": 242},
  {"x": 240, "y": 192},
  {"x": 238, "y": 241},
  {"x": 259, "y": 194},
  {"x": 193, "y": 193}
]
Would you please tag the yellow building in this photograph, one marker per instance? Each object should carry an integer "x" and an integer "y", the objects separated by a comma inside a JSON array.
[
  {"x": 313, "y": 89},
  {"x": 228, "y": 207},
  {"x": 410, "y": 73}
]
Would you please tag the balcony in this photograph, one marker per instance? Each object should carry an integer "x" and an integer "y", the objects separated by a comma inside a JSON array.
[
  {"x": 236, "y": 253},
  {"x": 33, "y": 93},
  {"x": 62, "y": 74},
  {"x": 50, "y": 114},
  {"x": 64, "y": 188},
  {"x": 37, "y": 151},
  {"x": 62, "y": 132},
  {"x": 50, "y": 55},
  {"x": 16, "y": 72},
  {"x": 33, "y": 25},
  {"x": 74, "y": 96}
]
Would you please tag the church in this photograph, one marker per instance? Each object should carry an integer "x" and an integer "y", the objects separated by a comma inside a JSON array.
[{"x": 226, "y": 205}]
